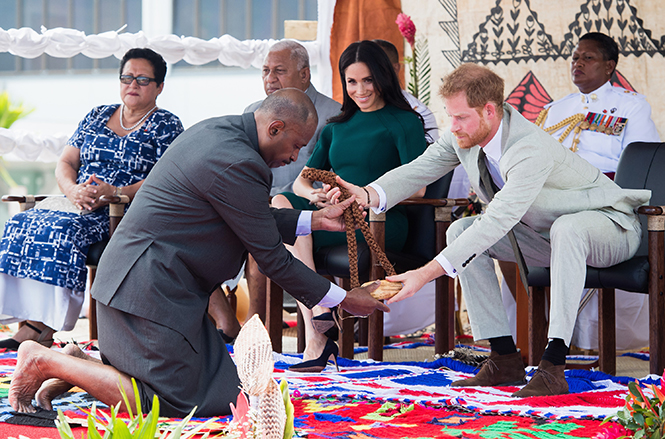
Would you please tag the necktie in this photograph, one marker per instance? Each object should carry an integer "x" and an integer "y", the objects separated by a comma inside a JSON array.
[{"x": 491, "y": 189}]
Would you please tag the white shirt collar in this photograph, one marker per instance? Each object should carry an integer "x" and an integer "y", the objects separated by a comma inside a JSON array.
[
  {"x": 493, "y": 148},
  {"x": 594, "y": 95}
]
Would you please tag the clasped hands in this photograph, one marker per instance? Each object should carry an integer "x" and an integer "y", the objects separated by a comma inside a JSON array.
[{"x": 86, "y": 195}]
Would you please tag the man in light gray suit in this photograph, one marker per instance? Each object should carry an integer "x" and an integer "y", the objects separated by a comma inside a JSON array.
[
  {"x": 564, "y": 213},
  {"x": 204, "y": 206},
  {"x": 285, "y": 65}
]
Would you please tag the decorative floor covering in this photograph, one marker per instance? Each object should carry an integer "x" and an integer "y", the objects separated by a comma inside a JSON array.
[{"x": 368, "y": 399}]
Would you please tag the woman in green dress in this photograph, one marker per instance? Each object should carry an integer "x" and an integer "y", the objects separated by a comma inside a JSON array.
[{"x": 376, "y": 131}]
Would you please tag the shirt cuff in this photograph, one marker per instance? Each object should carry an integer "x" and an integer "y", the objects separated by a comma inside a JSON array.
[
  {"x": 304, "y": 223},
  {"x": 382, "y": 198},
  {"x": 445, "y": 263},
  {"x": 333, "y": 297}
]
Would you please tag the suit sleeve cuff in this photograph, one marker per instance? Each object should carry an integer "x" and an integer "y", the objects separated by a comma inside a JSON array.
[
  {"x": 382, "y": 198},
  {"x": 445, "y": 263},
  {"x": 304, "y": 226},
  {"x": 333, "y": 297}
]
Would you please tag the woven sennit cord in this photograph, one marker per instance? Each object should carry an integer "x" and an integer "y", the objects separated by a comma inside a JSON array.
[{"x": 352, "y": 218}]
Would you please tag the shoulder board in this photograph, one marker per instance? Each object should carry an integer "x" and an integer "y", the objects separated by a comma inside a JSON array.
[
  {"x": 565, "y": 98},
  {"x": 623, "y": 92}
]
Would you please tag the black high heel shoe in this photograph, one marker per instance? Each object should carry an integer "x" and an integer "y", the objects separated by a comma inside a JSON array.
[{"x": 318, "y": 364}]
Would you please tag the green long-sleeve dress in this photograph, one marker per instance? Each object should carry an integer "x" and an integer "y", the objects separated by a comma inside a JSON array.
[{"x": 362, "y": 149}]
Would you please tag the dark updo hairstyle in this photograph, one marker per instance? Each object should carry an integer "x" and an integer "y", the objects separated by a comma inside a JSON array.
[
  {"x": 154, "y": 58},
  {"x": 606, "y": 45},
  {"x": 385, "y": 81}
]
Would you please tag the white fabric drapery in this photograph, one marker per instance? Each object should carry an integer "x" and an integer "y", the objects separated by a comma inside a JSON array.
[
  {"x": 229, "y": 51},
  {"x": 66, "y": 43}
]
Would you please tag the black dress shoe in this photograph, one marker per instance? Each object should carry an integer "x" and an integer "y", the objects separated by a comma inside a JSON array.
[
  {"x": 13, "y": 345},
  {"x": 227, "y": 339}
]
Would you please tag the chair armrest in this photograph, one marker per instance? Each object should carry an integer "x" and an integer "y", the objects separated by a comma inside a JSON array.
[
  {"x": 116, "y": 209},
  {"x": 655, "y": 217},
  {"x": 116, "y": 204},
  {"x": 436, "y": 202},
  {"x": 25, "y": 201}
]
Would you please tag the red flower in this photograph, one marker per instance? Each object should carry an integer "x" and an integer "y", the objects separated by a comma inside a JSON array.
[
  {"x": 613, "y": 431},
  {"x": 407, "y": 28}
]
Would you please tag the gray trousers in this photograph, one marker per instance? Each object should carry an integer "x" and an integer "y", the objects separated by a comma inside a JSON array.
[
  {"x": 576, "y": 240},
  {"x": 165, "y": 364}
]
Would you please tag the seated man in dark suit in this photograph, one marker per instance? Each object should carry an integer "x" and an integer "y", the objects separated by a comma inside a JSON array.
[{"x": 205, "y": 206}]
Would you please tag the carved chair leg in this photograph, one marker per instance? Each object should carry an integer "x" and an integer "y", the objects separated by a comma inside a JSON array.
[
  {"x": 300, "y": 330},
  {"x": 363, "y": 332},
  {"x": 274, "y": 305},
  {"x": 346, "y": 338},
  {"x": 606, "y": 331},
  {"x": 92, "y": 307},
  {"x": 656, "y": 299},
  {"x": 537, "y": 325}
]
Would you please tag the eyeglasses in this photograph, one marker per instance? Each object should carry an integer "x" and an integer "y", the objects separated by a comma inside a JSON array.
[{"x": 140, "y": 80}]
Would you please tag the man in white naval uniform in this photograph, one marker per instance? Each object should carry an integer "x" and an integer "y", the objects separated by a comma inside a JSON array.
[{"x": 606, "y": 119}]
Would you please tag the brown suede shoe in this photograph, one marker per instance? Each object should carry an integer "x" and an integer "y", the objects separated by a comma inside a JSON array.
[
  {"x": 547, "y": 380},
  {"x": 497, "y": 370}
]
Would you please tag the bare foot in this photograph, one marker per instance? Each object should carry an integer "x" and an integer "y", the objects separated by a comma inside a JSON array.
[
  {"x": 54, "y": 387},
  {"x": 27, "y": 377}
]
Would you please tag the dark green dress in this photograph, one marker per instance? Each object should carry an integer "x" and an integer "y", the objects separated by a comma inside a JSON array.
[{"x": 361, "y": 150}]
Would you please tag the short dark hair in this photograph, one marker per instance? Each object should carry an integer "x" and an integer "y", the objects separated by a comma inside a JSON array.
[
  {"x": 283, "y": 105},
  {"x": 479, "y": 84},
  {"x": 390, "y": 50},
  {"x": 606, "y": 45},
  {"x": 154, "y": 58}
]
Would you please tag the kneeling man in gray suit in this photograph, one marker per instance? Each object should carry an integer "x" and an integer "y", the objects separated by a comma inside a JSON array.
[
  {"x": 204, "y": 206},
  {"x": 562, "y": 212}
]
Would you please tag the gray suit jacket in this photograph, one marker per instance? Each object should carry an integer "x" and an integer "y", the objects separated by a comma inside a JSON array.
[
  {"x": 204, "y": 205},
  {"x": 283, "y": 177},
  {"x": 544, "y": 180}
]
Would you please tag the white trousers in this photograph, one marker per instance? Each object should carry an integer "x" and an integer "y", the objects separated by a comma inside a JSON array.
[
  {"x": 27, "y": 299},
  {"x": 576, "y": 240}
]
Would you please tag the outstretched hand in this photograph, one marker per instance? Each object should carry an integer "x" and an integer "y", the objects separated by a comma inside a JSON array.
[
  {"x": 360, "y": 302},
  {"x": 414, "y": 280},
  {"x": 331, "y": 218}
]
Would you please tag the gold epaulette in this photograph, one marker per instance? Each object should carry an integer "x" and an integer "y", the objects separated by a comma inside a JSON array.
[{"x": 571, "y": 123}]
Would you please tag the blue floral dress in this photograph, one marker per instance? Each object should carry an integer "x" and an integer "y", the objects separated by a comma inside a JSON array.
[{"x": 51, "y": 246}]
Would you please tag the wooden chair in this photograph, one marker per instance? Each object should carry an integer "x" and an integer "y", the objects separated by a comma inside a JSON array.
[
  {"x": 116, "y": 212},
  {"x": 429, "y": 218},
  {"x": 641, "y": 166}
]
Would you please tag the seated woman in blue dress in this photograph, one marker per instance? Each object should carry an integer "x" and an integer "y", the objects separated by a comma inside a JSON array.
[{"x": 43, "y": 252}]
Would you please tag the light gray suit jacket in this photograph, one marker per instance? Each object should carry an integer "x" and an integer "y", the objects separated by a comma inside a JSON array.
[
  {"x": 202, "y": 208},
  {"x": 283, "y": 177},
  {"x": 543, "y": 181}
]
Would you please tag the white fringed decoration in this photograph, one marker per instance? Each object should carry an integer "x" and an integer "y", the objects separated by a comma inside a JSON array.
[
  {"x": 254, "y": 360},
  {"x": 271, "y": 417},
  {"x": 27, "y": 145},
  {"x": 253, "y": 357}
]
